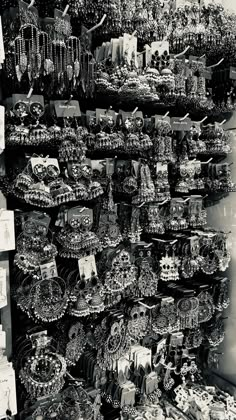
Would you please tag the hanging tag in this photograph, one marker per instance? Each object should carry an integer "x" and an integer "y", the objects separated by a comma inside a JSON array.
[
  {"x": 130, "y": 44},
  {"x": 28, "y": 15},
  {"x": 3, "y": 287},
  {"x": 99, "y": 168},
  {"x": 123, "y": 363},
  {"x": 179, "y": 124},
  {"x": 45, "y": 162},
  {"x": 36, "y": 221},
  {"x": 232, "y": 73},
  {"x": 67, "y": 110},
  {"x": 194, "y": 58},
  {"x": 143, "y": 358},
  {"x": 179, "y": 3},
  {"x": 62, "y": 24},
  {"x": 49, "y": 270},
  {"x": 79, "y": 213},
  {"x": 115, "y": 51},
  {"x": 135, "y": 166},
  {"x": 91, "y": 118},
  {"x": 2, "y": 129},
  {"x": 87, "y": 267},
  {"x": 160, "y": 119},
  {"x": 160, "y": 46},
  {"x": 161, "y": 345},
  {"x": 161, "y": 167},
  {"x": 7, "y": 230},
  {"x": 20, "y": 97},
  {"x": 2, "y": 340},
  {"x": 8, "y": 392},
  {"x": 105, "y": 115},
  {"x": 110, "y": 167},
  {"x": 2, "y": 51}
]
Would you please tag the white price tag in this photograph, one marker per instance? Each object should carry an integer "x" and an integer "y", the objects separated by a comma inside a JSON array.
[
  {"x": 7, "y": 391},
  {"x": 3, "y": 287},
  {"x": 87, "y": 266},
  {"x": 2, "y": 52},
  {"x": 7, "y": 230},
  {"x": 160, "y": 46},
  {"x": 2, "y": 340},
  {"x": 2, "y": 129},
  {"x": 45, "y": 162},
  {"x": 49, "y": 270}
]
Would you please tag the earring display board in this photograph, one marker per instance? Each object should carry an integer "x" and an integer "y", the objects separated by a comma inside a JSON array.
[{"x": 117, "y": 275}]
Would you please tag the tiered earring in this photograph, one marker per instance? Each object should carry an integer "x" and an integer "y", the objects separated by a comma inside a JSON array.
[
  {"x": 18, "y": 134},
  {"x": 199, "y": 183},
  {"x": 39, "y": 133},
  {"x": 135, "y": 229},
  {"x": 197, "y": 216},
  {"x": 161, "y": 182},
  {"x": 147, "y": 280},
  {"x": 191, "y": 259},
  {"x": 138, "y": 322},
  {"x": 177, "y": 221},
  {"x": 132, "y": 139},
  {"x": 122, "y": 273},
  {"x": 164, "y": 319},
  {"x": 155, "y": 225},
  {"x": 145, "y": 142},
  {"x": 146, "y": 192},
  {"x": 75, "y": 347},
  {"x": 169, "y": 268},
  {"x": 103, "y": 138},
  {"x": 76, "y": 238},
  {"x": 96, "y": 303},
  {"x": 109, "y": 231},
  {"x": 206, "y": 307},
  {"x": 188, "y": 312},
  {"x": 187, "y": 172},
  {"x": 80, "y": 306},
  {"x": 168, "y": 381},
  {"x": 221, "y": 294},
  {"x": 163, "y": 148}
]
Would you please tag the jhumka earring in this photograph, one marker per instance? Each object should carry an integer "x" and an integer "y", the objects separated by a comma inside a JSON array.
[
  {"x": 155, "y": 224},
  {"x": 122, "y": 273},
  {"x": 188, "y": 312},
  {"x": 169, "y": 268}
]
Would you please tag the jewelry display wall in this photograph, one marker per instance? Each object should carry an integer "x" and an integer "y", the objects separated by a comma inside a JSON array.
[{"x": 115, "y": 151}]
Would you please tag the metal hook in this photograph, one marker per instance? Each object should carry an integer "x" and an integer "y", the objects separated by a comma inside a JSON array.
[
  {"x": 133, "y": 34},
  {"x": 182, "y": 53},
  {"x": 163, "y": 202},
  {"x": 135, "y": 110},
  {"x": 31, "y": 4},
  {"x": 184, "y": 118},
  {"x": 224, "y": 121},
  {"x": 202, "y": 121},
  {"x": 30, "y": 92},
  {"x": 98, "y": 25},
  {"x": 65, "y": 10},
  {"x": 205, "y": 163},
  {"x": 166, "y": 115},
  {"x": 216, "y": 65},
  {"x": 69, "y": 100}
]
